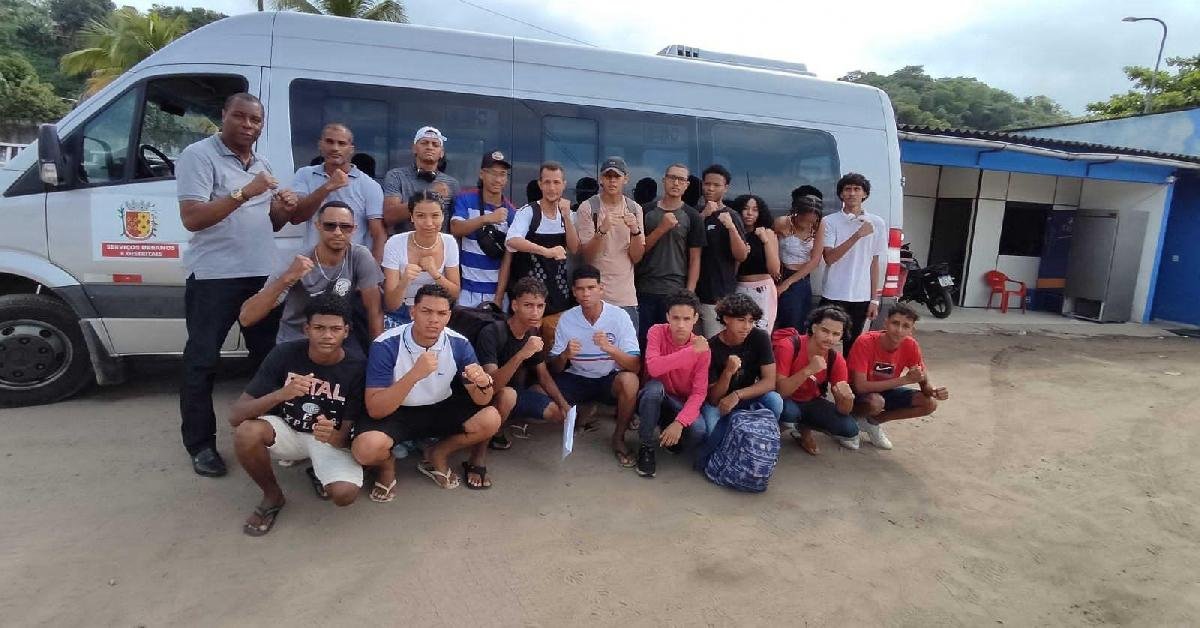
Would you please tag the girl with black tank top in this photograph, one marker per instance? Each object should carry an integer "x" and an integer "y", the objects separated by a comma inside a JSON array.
[{"x": 756, "y": 275}]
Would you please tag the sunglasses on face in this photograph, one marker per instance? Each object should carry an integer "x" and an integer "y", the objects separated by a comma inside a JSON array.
[{"x": 330, "y": 227}]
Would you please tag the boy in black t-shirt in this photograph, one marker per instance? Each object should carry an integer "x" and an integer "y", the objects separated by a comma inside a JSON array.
[
  {"x": 742, "y": 370},
  {"x": 301, "y": 404},
  {"x": 514, "y": 354}
]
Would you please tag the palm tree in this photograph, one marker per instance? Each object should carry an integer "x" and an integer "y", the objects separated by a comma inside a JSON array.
[
  {"x": 379, "y": 10},
  {"x": 119, "y": 43}
]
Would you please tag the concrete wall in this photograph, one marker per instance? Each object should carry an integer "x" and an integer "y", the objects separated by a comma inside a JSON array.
[{"x": 920, "y": 194}]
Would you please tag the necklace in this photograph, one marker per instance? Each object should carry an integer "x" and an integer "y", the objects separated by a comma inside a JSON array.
[
  {"x": 321, "y": 270},
  {"x": 423, "y": 247}
]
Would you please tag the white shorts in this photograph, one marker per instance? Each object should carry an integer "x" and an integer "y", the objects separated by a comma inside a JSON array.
[{"x": 329, "y": 463}]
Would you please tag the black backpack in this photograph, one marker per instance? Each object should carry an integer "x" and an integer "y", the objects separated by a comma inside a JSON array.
[{"x": 469, "y": 321}]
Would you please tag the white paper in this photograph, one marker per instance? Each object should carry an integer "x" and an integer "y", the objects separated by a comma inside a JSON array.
[{"x": 569, "y": 432}]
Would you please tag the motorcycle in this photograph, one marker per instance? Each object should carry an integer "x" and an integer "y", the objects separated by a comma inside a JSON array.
[{"x": 932, "y": 286}]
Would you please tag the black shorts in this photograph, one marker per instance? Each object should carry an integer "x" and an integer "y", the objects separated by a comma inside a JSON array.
[{"x": 439, "y": 420}]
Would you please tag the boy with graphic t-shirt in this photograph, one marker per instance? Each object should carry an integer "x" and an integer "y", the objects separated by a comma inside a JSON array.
[
  {"x": 742, "y": 372},
  {"x": 882, "y": 364},
  {"x": 677, "y": 363},
  {"x": 301, "y": 404},
  {"x": 806, "y": 366}
]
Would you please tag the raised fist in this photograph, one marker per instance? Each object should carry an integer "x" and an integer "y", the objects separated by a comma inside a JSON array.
[
  {"x": 573, "y": 349},
  {"x": 323, "y": 429},
  {"x": 816, "y": 364},
  {"x": 669, "y": 220},
  {"x": 699, "y": 344},
  {"x": 841, "y": 390},
  {"x": 477, "y": 376},
  {"x": 425, "y": 365},
  {"x": 412, "y": 271},
  {"x": 557, "y": 252},
  {"x": 498, "y": 215},
  {"x": 300, "y": 267},
  {"x": 866, "y": 229},
  {"x": 915, "y": 375},
  {"x": 337, "y": 180},
  {"x": 733, "y": 363},
  {"x": 297, "y": 386},
  {"x": 428, "y": 265},
  {"x": 262, "y": 182},
  {"x": 533, "y": 345}
]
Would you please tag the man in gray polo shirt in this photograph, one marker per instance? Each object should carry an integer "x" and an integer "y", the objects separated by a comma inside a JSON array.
[
  {"x": 336, "y": 179},
  {"x": 401, "y": 183},
  {"x": 225, "y": 201}
]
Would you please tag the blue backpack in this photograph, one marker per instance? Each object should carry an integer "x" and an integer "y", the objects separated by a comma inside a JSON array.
[{"x": 747, "y": 451}]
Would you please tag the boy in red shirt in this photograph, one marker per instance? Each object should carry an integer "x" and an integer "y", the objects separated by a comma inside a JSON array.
[
  {"x": 877, "y": 360},
  {"x": 677, "y": 364},
  {"x": 803, "y": 372}
]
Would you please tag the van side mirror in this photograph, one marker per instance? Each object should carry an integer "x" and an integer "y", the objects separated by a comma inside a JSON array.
[{"x": 51, "y": 165}]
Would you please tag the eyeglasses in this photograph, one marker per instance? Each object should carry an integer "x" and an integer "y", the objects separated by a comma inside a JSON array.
[
  {"x": 330, "y": 227},
  {"x": 674, "y": 178}
]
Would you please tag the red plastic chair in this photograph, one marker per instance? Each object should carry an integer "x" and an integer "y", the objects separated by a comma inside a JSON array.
[{"x": 999, "y": 282}]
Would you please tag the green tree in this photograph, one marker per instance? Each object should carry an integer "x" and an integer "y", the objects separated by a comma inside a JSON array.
[
  {"x": 957, "y": 102},
  {"x": 379, "y": 10},
  {"x": 196, "y": 17},
  {"x": 72, "y": 15},
  {"x": 23, "y": 97},
  {"x": 1171, "y": 91},
  {"x": 26, "y": 29},
  {"x": 119, "y": 43}
]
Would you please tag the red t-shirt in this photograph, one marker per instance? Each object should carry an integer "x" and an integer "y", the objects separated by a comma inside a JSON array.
[
  {"x": 787, "y": 362},
  {"x": 868, "y": 356}
]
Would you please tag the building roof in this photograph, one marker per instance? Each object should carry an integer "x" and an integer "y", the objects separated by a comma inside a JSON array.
[
  {"x": 1041, "y": 142},
  {"x": 1095, "y": 120}
]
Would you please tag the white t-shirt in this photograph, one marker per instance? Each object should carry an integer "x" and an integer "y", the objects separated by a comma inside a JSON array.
[
  {"x": 591, "y": 361},
  {"x": 524, "y": 217},
  {"x": 849, "y": 278},
  {"x": 394, "y": 353},
  {"x": 395, "y": 257}
]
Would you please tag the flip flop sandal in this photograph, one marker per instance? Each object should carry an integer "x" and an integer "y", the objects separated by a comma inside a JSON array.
[
  {"x": 382, "y": 493},
  {"x": 318, "y": 487},
  {"x": 500, "y": 442},
  {"x": 811, "y": 448},
  {"x": 521, "y": 431},
  {"x": 267, "y": 517},
  {"x": 427, "y": 469},
  {"x": 624, "y": 459},
  {"x": 481, "y": 471}
]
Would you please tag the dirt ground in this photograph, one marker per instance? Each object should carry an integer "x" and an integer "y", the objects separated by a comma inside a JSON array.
[{"x": 1057, "y": 487}]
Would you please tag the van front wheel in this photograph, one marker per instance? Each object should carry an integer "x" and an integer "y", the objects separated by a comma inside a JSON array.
[{"x": 43, "y": 356}]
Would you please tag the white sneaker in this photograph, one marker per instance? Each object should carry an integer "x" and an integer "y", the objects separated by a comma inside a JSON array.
[
  {"x": 849, "y": 443},
  {"x": 875, "y": 433}
]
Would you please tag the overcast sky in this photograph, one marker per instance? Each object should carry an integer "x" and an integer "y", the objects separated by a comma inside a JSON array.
[{"x": 1070, "y": 50}]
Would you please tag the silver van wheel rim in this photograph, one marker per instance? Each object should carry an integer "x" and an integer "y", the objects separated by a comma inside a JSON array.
[{"x": 32, "y": 354}]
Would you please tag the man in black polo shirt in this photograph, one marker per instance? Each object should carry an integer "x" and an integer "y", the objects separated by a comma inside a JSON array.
[{"x": 725, "y": 247}]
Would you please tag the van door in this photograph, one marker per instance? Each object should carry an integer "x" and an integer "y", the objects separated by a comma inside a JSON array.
[{"x": 116, "y": 224}]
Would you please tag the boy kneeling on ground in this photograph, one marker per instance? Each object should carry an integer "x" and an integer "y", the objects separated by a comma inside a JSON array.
[
  {"x": 742, "y": 371},
  {"x": 301, "y": 404},
  {"x": 882, "y": 393},
  {"x": 677, "y": 363}
]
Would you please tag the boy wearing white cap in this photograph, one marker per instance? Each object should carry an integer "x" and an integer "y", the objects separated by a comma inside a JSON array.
[{"x": 401, "y": 183}]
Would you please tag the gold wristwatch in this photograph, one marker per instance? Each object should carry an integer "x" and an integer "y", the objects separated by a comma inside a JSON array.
[{"x": 237, "y": 195}]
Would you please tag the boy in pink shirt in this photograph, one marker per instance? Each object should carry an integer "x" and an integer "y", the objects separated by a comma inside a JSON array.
[{"x": 677, "y": 364}]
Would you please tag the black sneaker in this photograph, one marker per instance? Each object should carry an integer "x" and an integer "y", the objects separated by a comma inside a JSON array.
[
  {"x": 208, "y": 463},
  {"x": 645, "y": 462}
]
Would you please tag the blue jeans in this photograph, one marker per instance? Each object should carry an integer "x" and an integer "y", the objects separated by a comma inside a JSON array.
[
  {"x": 820, "y": 414},
  {"x": 656, "y": 410},
  {"x": 794, "y": 305},
  {"x": 710, "y": 416}
]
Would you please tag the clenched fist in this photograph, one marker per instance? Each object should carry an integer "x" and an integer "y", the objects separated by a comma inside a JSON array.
[
  {"x": 477, "y": 376},
  {"x": 726, "y": 219},
  {"x": 300, "y": 267},
  {"x": 412, "y": 271},
  {"x": 497, "y": 216},
  {"x": 262, "y": 182},
  {"x": 733, "y": 363},
  {"x": 573, "y": 349},
  {"x": 425, "y": 365},
  {"x": 337, "y": 180},
  {"x": 323, "y": 429},
  {"x": 297, "y": 386},
  {"x": 428, "y": 265},
  {"x": 841, "y": 390},
  {"x": 555, "y": 252},
  {"x": 915, "y": 375},
  {"x": 533, "y": 345},
  {"x": 816, "y": 364},
  {"x": 699, "y": 344},
  {"x": 601, "y": 340},
  {"x": 866, "y": 229},
  {"x": 669, "y": 221}
]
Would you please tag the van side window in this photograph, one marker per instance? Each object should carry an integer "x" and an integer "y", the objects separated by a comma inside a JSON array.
[
  {"x": 383, "y": 120},
  {"x": 574, "y": 143},
  {"x": 179, "y": 111},
  {"x": 770, "y": 160}
]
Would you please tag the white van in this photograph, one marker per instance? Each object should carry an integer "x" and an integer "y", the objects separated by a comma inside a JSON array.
[{"x": 90, "y": 250}]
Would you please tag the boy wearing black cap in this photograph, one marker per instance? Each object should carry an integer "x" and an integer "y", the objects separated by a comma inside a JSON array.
[{"x": 481, "y": 217}]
